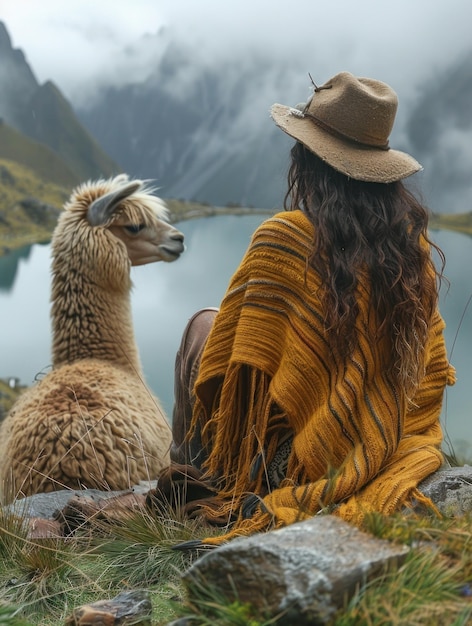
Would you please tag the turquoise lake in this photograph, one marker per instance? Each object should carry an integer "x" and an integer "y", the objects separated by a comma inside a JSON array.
[{"x": 166, "y": 295}]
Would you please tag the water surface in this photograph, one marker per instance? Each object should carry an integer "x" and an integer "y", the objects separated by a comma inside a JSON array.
[{"x": 166, "y": 295}]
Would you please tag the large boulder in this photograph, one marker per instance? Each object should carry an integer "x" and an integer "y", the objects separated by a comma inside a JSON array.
[{"x": 303, "y": 573}]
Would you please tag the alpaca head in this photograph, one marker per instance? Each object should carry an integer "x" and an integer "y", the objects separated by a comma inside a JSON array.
[
  {"x": 137, "y": 218},
  {"x": 109, "y": 225}
]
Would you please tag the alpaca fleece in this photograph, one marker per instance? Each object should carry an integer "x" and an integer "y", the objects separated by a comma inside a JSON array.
[
  {"x": 83, "y": 426},
  {"x": 92, "y": 422},
  {"x": 359, "y": 444}
]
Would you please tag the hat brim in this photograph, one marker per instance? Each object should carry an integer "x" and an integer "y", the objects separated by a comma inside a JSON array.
[{"x": 348, "y": 157}]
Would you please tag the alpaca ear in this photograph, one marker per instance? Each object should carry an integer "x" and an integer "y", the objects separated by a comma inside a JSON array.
[{"x": 101, "y": 209}]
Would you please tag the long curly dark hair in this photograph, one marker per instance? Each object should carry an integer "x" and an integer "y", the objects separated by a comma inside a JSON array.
[{"x": 376, "y": 229}]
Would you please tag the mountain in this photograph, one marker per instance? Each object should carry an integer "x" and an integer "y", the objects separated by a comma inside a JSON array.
[
  {"x": 36, "y": 156},
  {"x": 203, "y": 129},
  {"x": 42, "y": 114},
  {"x": 207, "y": 138},
  {"x": 440, "y": 130},
  {"x": 51, "y": 120},
  {"x": 18, "y": 83}
]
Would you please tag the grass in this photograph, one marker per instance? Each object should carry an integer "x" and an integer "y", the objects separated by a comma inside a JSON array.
[
  {"x": 42, "y": 577},
  {"x": 42, "y": 581},
  {"x": 9, "y": 617},
  {"x": 458, "y": 222},
  {"x": 433, "y": 585},
  {"x": 35, "y": 157},
  {"x": 8, "y": 396},
  {"x": 29, "y": 206}
]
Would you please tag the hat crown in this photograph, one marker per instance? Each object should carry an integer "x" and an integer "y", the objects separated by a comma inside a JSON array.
[{"x": 360, "y": 109}]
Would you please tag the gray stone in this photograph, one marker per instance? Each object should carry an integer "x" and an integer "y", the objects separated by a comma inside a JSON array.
[
  {"x": 128, "y": 607},
  {"x": 450, "y": 489},
  {"x": 46, "y": 505},
  {"x": 304, "y": 572}
]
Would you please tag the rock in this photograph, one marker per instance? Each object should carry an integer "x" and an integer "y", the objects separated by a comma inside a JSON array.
[
  {"x": 450, "y": 489},
  {"x": 129, "y": 607},
  {"x": 40, "y": 528},
  {"x": 305, "y": 572},
  {"x": 80, "y": 509},
  {"x": 46, "y": 505},
  {"x": 59, "y": 513}
]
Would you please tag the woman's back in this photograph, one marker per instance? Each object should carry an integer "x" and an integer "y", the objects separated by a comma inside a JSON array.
[{"x": 375, "y": 233}]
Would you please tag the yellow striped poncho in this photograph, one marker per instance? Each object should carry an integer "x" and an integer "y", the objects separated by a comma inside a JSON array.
[{"x": 267, "y": 370}]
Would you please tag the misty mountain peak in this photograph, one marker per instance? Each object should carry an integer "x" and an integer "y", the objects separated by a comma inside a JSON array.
[
  {"x": 5, "y": 41},
  {"x": 14, "y": 57},
  {"x": 17, "y": 81},
  {"x": 42, "y": 113}
]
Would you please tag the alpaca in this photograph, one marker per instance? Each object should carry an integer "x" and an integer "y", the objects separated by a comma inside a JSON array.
[{"x": 91, "y": 422}]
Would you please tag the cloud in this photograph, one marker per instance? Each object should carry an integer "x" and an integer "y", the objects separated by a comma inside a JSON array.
[
  {"x": 79, "y": 42},
  {"x": 74, "y": 43},
  {"x": 83, "y": 44}
]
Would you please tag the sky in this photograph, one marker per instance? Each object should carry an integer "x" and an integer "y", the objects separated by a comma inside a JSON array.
[{"x": 77, "y": 43}]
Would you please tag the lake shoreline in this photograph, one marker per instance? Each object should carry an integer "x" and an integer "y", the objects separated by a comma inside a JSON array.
[
  {"x": 179, "y": 211},
  {"x": 184, "y": 210}
]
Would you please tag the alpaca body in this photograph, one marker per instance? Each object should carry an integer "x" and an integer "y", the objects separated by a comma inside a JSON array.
[
  {"x": 86, "y": 425},
  {"x": 91, "y": 422}
]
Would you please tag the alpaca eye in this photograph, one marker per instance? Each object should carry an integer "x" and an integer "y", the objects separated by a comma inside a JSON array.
[{"x": 134, "y": 229}]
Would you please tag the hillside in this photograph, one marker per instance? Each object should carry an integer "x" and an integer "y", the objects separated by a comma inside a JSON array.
[
  {"x": 39, "y": 128},
  {"x": 29, "y": 206},
  {"x": 35, "y": 156},
  {"x": 459, "y": 222}
]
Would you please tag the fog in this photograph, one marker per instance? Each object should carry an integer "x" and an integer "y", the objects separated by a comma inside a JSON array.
[{"x": 81, "y": 43}]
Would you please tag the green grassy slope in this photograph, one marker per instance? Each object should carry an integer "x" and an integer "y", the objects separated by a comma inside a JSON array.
[
  {"x": 39, "y": 158},
  {"x": 458, "y": 222},
  {"x": 29, "y": 206}
]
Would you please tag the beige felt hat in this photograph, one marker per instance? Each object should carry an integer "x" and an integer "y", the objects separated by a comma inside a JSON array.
[{"x": 347, "y": 123}]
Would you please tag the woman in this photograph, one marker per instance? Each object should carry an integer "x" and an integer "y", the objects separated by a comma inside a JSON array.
[{"x": 321, "y": 380}]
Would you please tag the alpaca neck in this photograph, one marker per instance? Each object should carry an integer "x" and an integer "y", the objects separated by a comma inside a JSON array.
[{"x": 91, "y": 323}]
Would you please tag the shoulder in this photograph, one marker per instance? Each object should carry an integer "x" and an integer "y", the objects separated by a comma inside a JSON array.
[
  {"x": 295, "y": 218},
  {"x": 289, "y": 224},
  {"x": 286, "y": 235}
]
